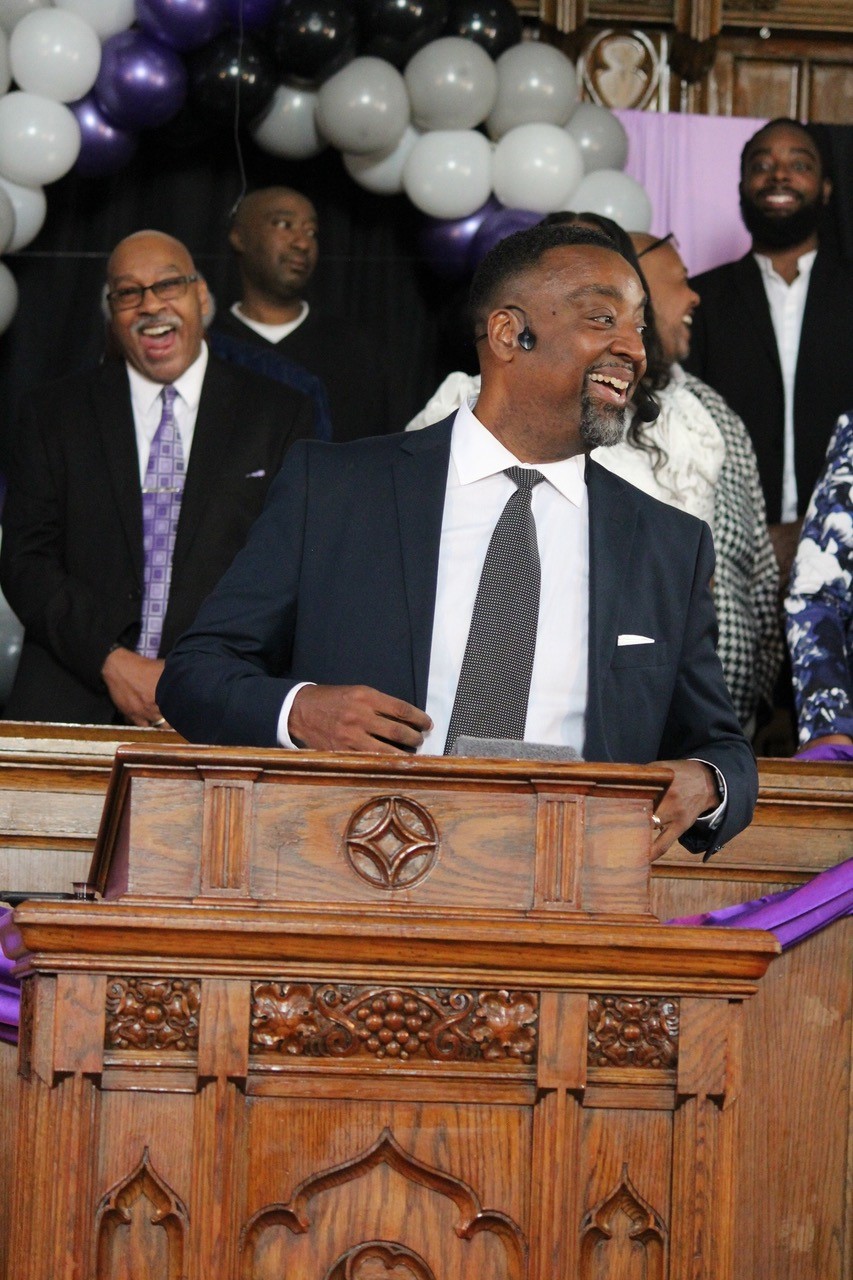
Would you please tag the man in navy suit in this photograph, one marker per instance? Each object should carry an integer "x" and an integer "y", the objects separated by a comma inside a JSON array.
[
  {"x": 342, "y": 624},
  {"x": 73, "y": 562}
]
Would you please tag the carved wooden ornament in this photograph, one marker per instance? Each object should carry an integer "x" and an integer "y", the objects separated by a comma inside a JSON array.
[
  {"x": 391, "y": 842},
  {"x": 153, "y": 1013},
  {"x": 633, "y": 1031},
  {"x": 141, "y": 1228}
]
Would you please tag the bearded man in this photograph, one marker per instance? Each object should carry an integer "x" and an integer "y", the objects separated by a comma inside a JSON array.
[
  {"x": 483, "y": 577},
  {"x": 766, "y": 335}
]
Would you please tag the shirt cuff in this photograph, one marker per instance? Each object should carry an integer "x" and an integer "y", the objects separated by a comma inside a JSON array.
[
  {"x": 710, "y": 821},
  {"x": 281, "y": 733}
]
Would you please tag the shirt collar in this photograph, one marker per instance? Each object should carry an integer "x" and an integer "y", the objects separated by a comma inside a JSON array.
[
  {"x": 144, "y": 392},
  {"x": 477, "y": 454},
  {"x": 805, "y": 262}
]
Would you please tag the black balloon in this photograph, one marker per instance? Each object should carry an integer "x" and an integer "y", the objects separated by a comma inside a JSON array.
[
  {"x": 396, "y": 29},
  {"x": 225, "y": 76},
  {"x": 494, "y": 24},
  {"x": 314, "y": 38}
]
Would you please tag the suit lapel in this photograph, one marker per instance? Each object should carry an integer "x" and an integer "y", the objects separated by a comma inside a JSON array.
[
  {"x": 113, "y": 419},
  {"x": 747, "y": 276},
  {"x": 420, "y": 482},
  {"x": 612, "y": 520},
  {"x": 219, "y": 412}
]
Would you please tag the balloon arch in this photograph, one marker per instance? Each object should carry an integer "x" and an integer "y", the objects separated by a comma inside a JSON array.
[{"x": 439, "y": 99}]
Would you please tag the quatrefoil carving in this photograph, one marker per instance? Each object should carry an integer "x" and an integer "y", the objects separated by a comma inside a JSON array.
[{"x": 391, "y": 842}]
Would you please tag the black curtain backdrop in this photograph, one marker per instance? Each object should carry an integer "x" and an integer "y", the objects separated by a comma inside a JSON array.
[
  {"x": 369, "y": 271},
  {"x": 369, "y": 268}
]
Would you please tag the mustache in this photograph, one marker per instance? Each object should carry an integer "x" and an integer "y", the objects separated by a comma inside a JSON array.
[{"x": 162, "y": 317}]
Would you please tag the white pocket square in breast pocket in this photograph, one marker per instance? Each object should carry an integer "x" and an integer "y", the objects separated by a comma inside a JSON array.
[
  {"x": 256, "y": 475},
  {"x": 629, "y": 639}
]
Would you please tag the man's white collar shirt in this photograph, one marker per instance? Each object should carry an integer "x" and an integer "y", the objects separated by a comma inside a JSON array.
[
  {"x": 787, "y": 304},
  {"x": 477, "y": 492},
  {"x": 147, "y": 405}
]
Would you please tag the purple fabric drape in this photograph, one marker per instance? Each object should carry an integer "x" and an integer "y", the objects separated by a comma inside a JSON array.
[
  {"x": 690, "y": 168},
  {"x": 792, "y": 915}
]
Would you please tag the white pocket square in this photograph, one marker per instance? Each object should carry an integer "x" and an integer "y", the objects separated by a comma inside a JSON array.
[
  {"x": 629, "y": 639},
  {"x": 256, "y": 475}
]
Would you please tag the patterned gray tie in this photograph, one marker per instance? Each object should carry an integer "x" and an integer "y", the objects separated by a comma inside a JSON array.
[
  {"x": 494, "y": 682},
  {"x": 161, "y": 507}
]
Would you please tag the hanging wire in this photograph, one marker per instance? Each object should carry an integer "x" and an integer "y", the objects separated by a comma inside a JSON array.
[{"x": 238, "y": 146}]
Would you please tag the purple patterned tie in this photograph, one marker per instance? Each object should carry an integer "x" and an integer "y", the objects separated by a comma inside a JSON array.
[{"x": 161, "y": 506}]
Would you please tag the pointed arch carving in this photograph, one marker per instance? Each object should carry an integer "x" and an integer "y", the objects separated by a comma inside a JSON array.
[
  {"x": 141, "y": 1221},
  {"x": 622, "y": 1224},
  {"x": 386, "y": 1150}
]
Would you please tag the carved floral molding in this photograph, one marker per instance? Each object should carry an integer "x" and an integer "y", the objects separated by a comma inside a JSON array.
[
  {"x": 152, "y": 1013},
  {"x": 632, "y": 1031}
]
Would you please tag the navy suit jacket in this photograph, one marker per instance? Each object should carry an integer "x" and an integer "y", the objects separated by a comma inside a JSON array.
[
  {"x": 733, "y": 349},
  {"x": 72, "y": 558},
  {"x": 337, "y": 585}
]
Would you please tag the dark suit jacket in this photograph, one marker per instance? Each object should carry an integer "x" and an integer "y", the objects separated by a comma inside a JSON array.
[
  {"x": 337, "y": 585},
  {"x": 72, "y": 562},
  {"x": 734, "y": 350},
  {"x": 348, "y": 361}
]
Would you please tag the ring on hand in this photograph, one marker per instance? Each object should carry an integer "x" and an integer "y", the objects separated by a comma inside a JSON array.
[
  {"x": 657, "y": 824},
  {"x": 158, "y": 724}
]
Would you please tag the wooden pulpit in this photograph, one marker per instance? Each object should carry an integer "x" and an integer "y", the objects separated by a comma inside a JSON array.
[{"x": 367, "y": 1018}]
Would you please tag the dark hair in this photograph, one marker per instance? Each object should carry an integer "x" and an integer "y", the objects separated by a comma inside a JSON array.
[{"x": 785, "y": 122}]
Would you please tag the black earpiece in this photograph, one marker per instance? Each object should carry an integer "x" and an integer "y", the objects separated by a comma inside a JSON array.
[{"x": 526, "y": 339}]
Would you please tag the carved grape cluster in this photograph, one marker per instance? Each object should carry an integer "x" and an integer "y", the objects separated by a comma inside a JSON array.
[{"x": 393, "y": 1024}]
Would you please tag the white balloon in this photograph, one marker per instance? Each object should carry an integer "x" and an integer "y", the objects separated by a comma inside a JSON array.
[
  {"x": 382, "y": 172},
  {"x": 363, "y": 107},
  {"x": 536, "y": 85},
  {"x": 448, "y": 174},
  {"x": 616, "y": 196},
  {"x": 600, "y": 136},
  {"x": 7, "y": 220},
  {"x": 5, "y": 68},
  {"x": 55, "y": 54},
  {"x": 30, "y": 206},
  {"x": 39, "y": 139},
  {"x": 452, "y": 84},
  {"x": 8, "y": 297},
  {"x": 537, "y": 166},
  {"x": 105, "y": 17},
  {"x": 11, "y": 639},
  {"x": 11, "y": 11},
  {"x": 288, "y": 128}
]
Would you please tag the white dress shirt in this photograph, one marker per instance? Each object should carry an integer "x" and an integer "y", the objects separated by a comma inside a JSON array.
[
  {"x": 787, "y": 304},
  {"x": 147, "y": 405},
  {"x": 272, "y": 332}
]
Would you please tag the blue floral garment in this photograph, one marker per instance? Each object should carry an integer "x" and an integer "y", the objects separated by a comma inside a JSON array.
[{"x": 819, "y": 608}]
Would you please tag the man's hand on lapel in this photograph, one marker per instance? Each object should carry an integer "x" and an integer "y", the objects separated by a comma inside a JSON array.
[
  {"x": 692, "y": 792},
  {"x": 131, "y": 682},
  {"x": 333, "y": 717}
]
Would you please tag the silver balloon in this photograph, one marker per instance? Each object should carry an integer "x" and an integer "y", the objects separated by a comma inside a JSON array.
[
  {"x": 364, "y": 107},
  {"x": 537, "y": 166},
  {"x": 7, "y": 220},
  {"x": 30, "y": 206},
  {"x": 288, "y": 127},
  {"x": 106, "y": 17},
  {"x": 382, "y": 171},
  {"x": 8, "y": 297},
  {"x": 536, "y": 85},
  {"x": 615, "y": 195},
  {"x": 55, "y": 54},
  {"x": 39, "y": 139},
  {"x": 452, "y": 84},
  {"x": 448, "y": 173},
  {"x": 11, "y": 11},
  {"x": 600, "y": 136}
]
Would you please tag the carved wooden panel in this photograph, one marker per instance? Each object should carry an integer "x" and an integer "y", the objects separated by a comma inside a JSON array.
[
  {"x": 810, "y": 80},
  {"x": 633, "y": 1031},
  {"x": 327, "y": 1020},
  {"x": 426, "y": 1182},
  {"x": 624, "y": 68},
  {"x": 787, "y": 15},
  {"x": 141, "y": 1228},
  {"x": 152, "y": 1013},
  {"x": 391, "y": 842},
  {"x": 623, "y": 1236}
]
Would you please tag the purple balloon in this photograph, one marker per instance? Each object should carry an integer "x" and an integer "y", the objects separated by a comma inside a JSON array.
[
  {"x": 254, "y": 13},
  {"x": 445, "y": 243},
  {"x": 141, "y": 84},
  {"x": 104, "y": 149},
  {"x": 181, "y": 24},
  {"x": 496, "y": 226}
]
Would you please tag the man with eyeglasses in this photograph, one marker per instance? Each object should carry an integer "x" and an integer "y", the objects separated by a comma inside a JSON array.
[{"x": 130, "y": 489}]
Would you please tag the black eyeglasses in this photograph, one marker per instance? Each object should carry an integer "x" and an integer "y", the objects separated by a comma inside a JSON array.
[
  {"x": 657, "y": 244},
  {"x": 129, "y": 296}
]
